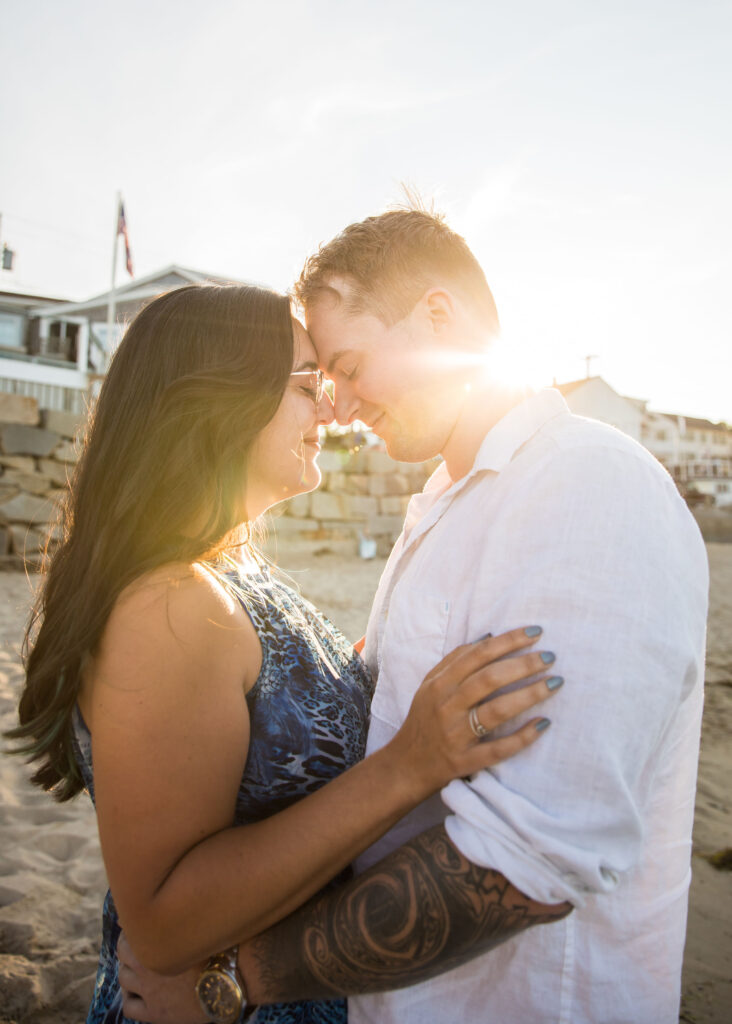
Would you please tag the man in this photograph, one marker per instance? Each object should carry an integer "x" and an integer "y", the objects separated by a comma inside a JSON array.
[{"x": 534, "y": 514}]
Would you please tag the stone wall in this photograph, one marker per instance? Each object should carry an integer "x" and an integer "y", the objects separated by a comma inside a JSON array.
[
  {"x": 714, "y": 523},
  {"x": 363, "y": 494},
  {"x": 38, "y": 451}
]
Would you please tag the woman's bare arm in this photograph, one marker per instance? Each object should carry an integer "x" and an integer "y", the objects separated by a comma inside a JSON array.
[{"x": 167, "y": 710}]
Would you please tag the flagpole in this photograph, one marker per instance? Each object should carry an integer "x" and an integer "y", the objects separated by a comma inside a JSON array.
[{"x": 112, "y": 294}]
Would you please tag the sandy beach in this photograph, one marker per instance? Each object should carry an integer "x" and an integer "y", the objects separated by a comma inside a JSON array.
[{"x": 52, "y": 879}]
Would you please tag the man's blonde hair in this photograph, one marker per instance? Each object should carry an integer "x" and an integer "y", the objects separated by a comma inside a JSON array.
[{"x": 390, "y": 260}]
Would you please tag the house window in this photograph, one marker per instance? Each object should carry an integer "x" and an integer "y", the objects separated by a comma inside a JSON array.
[
  {"x": 62, "y": 339},
  {"x": 11, "y": 330}
]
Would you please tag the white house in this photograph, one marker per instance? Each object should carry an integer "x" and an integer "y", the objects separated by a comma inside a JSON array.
[
  {"x": 54, "y": 350},
  {"x": 696, "y": 452},
  {"x": 595, "y": 398}
]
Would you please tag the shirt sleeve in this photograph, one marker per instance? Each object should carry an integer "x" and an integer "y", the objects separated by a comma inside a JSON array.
[{"x": 598, "y": 549}]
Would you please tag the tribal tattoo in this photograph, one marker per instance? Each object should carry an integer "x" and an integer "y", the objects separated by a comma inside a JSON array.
[{"x": 422, "y": 910}]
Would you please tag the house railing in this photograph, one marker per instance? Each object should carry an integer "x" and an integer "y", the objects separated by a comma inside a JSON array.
[{"x": 55, "y": 384}]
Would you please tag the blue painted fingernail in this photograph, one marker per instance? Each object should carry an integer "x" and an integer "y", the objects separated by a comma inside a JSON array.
[
  {"x": 542, "y": 724},
  {"x": 554, "y": 683},
  {"x": 533, "y": 630},
  {"x": 485, "y": 636},
  {"x": 547, "y": 657}
]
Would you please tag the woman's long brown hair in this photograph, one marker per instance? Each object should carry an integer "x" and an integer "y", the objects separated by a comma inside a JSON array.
[{"x": 199, "y": 373}]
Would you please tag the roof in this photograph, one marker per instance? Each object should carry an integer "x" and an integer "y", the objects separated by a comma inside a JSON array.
[
  {"x": 129, "y": 296},
  {"x": 25, "y": 300},
  {"x": 694, "y": 422},
  {"x": 572, "y": 385},
  {"x": 690, "y": 422}
]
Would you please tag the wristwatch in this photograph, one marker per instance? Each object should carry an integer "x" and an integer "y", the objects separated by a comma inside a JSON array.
[{"x": 220, "y": 990}]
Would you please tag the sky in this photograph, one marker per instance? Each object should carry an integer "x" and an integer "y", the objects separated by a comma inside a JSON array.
[{"x": 584, "y": 150}]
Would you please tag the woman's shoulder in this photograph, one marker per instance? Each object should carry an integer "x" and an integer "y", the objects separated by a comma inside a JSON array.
[{"x": 178, "y": 604}]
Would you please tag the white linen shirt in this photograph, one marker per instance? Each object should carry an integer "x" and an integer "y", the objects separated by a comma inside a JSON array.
[{"x": 566, "y": 523}]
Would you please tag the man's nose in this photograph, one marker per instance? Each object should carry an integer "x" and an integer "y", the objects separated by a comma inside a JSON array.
[{"x": 345, "y": 404}]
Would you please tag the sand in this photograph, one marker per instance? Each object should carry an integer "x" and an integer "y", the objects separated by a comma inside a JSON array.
[{"x": 52, "y": 879}]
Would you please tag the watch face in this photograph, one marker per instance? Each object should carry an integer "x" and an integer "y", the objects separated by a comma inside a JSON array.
[{"x": 220, "y": 996}]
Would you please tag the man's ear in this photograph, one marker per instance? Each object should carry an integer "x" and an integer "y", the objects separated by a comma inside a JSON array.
[{"x": 439, "y": 308}]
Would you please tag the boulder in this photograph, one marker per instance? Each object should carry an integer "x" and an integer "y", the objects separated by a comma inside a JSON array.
[
  {"x": 389, "y": 483},
  {"x": 326, "y": 506},
  {"x": 27, "y": 508},
  {"x": 67, "y": 424},
  {"x": 394, "y": 506},
  {"x": 299, "y": 506},
  {"x": 19, "y": 439},
  {"x": 25, "y": 463},
  {"x": 57, "y": 472},
  {"x": 332, "y": 461},
  {"x": 26, "y": 541},
  {"x": 67, "y": 452},
  {"x": 19, "y": 409},
  {"x": 386, "y": 526},
  {"x": 34, "y": 483}
]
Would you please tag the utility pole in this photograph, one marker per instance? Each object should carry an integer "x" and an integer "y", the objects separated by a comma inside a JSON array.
[
  {"x": 588, "y": 360},
  {"x": 112, "y": 301}
]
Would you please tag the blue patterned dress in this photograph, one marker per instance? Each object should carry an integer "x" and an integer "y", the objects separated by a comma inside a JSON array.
[{"x": 309, "y": 712}]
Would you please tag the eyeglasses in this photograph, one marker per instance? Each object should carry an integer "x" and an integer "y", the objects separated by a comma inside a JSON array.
[{"x": 312, "y": 383}]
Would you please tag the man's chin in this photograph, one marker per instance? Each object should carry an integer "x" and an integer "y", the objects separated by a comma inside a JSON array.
[{"x": 403, "y": 449}]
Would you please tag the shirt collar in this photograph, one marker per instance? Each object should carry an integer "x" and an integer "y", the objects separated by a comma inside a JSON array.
[
  {"x": 515, "y": 428},
  {"x": 499, "y": 446}
]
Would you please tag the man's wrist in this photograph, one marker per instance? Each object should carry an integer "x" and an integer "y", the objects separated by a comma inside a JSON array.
[
  {"x": 221, "y": 990},
  {"x": 250, "y": 974}
]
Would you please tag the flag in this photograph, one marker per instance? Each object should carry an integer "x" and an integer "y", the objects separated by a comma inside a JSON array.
[{"x": 122, "y": 230}]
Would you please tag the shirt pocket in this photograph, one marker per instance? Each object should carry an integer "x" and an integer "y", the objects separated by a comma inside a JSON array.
[{"x": 415, "y": 639}]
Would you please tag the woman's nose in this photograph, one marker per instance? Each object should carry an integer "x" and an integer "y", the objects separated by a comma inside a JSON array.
[{"x": 326, "y": 411}]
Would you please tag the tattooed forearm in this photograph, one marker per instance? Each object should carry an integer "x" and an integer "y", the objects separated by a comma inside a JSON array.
[{"x": 419, "y": 912}]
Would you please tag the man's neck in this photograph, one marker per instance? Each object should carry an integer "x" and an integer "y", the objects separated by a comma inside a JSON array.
[{"x": 484, "y": 406}]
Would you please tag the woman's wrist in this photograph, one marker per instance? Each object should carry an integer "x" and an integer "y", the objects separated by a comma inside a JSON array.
[{"x": 403, "y": 774}]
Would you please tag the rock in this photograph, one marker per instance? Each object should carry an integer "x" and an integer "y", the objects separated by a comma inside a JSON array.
[
  {"x": 67, "y": 452},
  {"x": 389, "y": 483},
  {"x": 331, "y": 461},
  {"x": 355, "y": 483},
  {"x": 57, "y": 472},
  {"x": 26, "y": 541},
  {"x": 25, "y": 463},
  {"x": 34, "y": 483},
  {"x": 359, "y": 506},
  {"x": 18, "y": 439},
  {"x": 8, "y": 491},
  {"x": 299, "y": 506},
  {"x": 355, "y": 462},
  {"x": 19, "y": 409},
  {"x": 380, "y": 462},
  {"x": 327, "y": 506},
  {"x": 67, "y": 424},
  {"x": 394, "y": 506},
  {"x": 26, "y": 508},
  {"x": 386, "y": 526},
  {"x": 286, "y": 524}
]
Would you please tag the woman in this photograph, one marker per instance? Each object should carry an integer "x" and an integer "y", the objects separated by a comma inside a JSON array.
[{"x": 190, "y": 691}]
